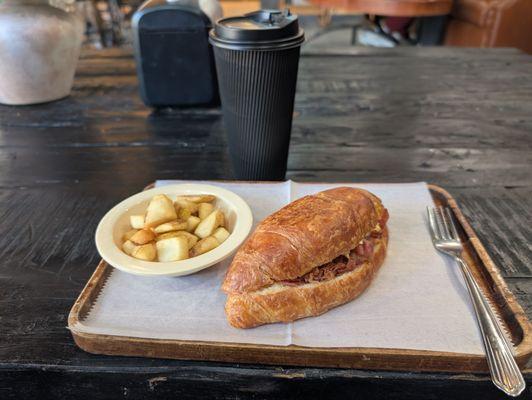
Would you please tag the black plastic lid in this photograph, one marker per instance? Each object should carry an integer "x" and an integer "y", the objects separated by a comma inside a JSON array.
[{"x": 258, "y": 30}]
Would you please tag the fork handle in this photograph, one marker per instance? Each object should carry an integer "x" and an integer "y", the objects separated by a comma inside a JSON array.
[{"x": 504, "y": 371}]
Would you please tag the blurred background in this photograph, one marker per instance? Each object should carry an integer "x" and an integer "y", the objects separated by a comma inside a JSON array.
[{"x": 337, "y": 23}]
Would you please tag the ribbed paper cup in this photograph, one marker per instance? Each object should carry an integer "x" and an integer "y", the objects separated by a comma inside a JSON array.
[{"x": 257, "y": 88}]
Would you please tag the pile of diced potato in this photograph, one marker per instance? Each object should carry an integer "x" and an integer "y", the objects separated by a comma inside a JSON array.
[{"x": 175, "y": 230}]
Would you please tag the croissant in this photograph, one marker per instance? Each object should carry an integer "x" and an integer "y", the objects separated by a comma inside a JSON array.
[{"x": 314, "y": 254}]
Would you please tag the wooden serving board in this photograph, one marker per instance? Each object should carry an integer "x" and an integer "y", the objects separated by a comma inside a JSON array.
[{"x": 483, "y": 268}]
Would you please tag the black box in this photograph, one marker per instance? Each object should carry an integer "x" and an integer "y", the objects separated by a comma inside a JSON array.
[{"x": 175, "y": 63}]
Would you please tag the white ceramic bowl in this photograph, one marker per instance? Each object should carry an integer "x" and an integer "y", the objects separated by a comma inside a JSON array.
[{"x": 116, "y": 222}]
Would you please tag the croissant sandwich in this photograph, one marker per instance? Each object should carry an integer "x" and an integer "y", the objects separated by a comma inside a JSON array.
[{"x": 315, "y": 254}]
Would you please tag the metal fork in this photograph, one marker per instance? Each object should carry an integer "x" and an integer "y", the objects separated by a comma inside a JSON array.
[{"x": 504, "y": 371}]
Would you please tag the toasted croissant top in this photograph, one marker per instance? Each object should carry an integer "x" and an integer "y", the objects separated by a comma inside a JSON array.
[{"x": 306, "y": 233}]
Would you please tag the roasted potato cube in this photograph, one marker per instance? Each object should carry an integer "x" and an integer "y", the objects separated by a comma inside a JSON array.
[
  {"x": 204, "y": 210},
  {"x": 146, "y": 252},
  {"x": 166, "y": 235},
  {"x": 192, "y": 239},
  {"x": 221, "y": 234},
  {"x": 136, "y": 221},
  {"x": 143, "y": 236},
  {"x": 204, "y": 245},
  {"x": 172, "y": 249},
  {"x": 184, "y": 214},
  {"x": 207, "y": 226},
  {"x": 192, "y": 223},
  {"x": 128, "y": 234},
  {"x": 171, "y": 226},
  {"x": 199, "y": 198},
  {"x": 160, "y": 210},
  {"x": 128, "y": 247},
  {"x": 186, "y": 204}
]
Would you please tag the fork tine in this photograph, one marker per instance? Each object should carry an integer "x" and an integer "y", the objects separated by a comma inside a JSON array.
[
  {"x": 452, "y": 225},
  {"x": 443, "y": 222},
  {"x": 432, "y": 223},
  {"x": 439, "y": 223}
]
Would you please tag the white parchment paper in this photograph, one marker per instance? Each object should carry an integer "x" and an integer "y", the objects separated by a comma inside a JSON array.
[{"x": 417, "y": 300}]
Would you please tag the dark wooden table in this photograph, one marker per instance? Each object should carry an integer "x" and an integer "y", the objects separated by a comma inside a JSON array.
[{"x": 458, "y": 118}]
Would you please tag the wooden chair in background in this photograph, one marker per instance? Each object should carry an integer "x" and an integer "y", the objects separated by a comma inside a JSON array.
[
  {"x": 395, "y": 8},
  {"x": 432, "y": 12},
  {"x": 105, "y": 20}
]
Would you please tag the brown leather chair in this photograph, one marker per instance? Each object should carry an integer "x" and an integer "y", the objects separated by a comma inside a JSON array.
[{"x": 491, "y": 23}]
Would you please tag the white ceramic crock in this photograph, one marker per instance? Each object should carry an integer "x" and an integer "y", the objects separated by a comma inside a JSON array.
[{"x": 39, "y": 51}]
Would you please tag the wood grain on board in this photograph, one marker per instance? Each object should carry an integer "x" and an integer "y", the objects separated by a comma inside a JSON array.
[
  {"x": 486, "y": 274},
  {"x": 459, "y": 118}
]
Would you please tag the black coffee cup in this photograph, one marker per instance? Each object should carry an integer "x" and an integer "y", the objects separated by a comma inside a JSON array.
[{"x": 257, "y": 57}]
